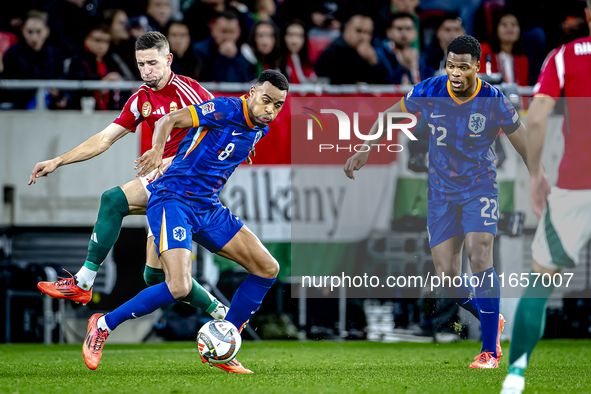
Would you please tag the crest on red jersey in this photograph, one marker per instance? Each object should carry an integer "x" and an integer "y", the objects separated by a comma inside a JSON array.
[
  {"x": 146, "y": 109},
  {"x": 173, "y": 106}
]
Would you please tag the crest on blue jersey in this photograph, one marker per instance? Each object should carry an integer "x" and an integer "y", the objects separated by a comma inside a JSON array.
[
  {"x": 476, "y": 123},
  {"x": 179, "y": 233}
]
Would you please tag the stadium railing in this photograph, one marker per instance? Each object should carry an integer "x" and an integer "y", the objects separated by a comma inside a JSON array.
[{"x": 317, "y": 89}]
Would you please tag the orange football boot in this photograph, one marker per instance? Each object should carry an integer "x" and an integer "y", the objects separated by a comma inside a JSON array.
[
  {"x": 66, "y": 288},
  {"x": 484, "y": 360},
  {"x": 501, "y": 328},
  {"x": 233, "y": 366},
  {"x": 92, "y": 348}
]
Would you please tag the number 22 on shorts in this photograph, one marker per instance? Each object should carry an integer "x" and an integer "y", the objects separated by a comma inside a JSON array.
[{"x": 488, "y": 203}]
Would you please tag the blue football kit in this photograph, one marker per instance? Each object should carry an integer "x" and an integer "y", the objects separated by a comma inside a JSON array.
[
  {"x": 184, "y": 203},
  {"x": 185, "y": 200},
  {"x": 463, "y": 192}
]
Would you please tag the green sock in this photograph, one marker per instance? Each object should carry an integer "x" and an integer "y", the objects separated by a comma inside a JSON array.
[
  {"x": 530, "y": 321},
  {"x": 114, "y": 208},
  {"x": 197, "y": 298}
]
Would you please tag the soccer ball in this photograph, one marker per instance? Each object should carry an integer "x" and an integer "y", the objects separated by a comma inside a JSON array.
[{"x": 218, "y": 341}]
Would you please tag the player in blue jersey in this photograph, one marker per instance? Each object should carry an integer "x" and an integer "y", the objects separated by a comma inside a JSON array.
[
  {"x": 184, "y": 202},
  {"x": 464, "y": 114}
]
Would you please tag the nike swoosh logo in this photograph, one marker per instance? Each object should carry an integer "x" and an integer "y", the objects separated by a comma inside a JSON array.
[
  {"x": 481, "y": 311},
  {"x": 234, "y": 133},
  {"x": 436, "y": 116},
  {"x": 133, "y": 314},
  {"x": 486, "y": 223}
]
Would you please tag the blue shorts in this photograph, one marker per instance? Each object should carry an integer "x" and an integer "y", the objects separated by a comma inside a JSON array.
[
  {"x": 175, "y": 224},
  {"x": 446, "y": 219}
]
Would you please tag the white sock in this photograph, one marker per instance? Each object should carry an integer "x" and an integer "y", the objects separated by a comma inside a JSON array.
[
  {"x": 102, "y": 324},
  {"x": 85, "y": 278}
]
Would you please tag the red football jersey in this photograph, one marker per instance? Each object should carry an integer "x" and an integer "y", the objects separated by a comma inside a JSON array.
[
  {"x": 149, "y": 105},
  {"x": 565, "y": 73}
]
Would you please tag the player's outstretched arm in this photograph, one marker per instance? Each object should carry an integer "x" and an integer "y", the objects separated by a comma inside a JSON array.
[
  {"x": 152, "y": 159},
  {"x": 358, "y": 160},
  {"x": 90, "y": 148},
  {"x": 537, "y": 119}
]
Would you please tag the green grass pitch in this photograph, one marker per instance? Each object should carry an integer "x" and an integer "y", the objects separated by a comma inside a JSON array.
[{"x": 289, "y": 367}]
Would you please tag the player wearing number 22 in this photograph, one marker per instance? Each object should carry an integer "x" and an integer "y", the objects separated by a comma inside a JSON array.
[
  {"x": 465, "y": 116},
  {"x": 184, "y": 204}
]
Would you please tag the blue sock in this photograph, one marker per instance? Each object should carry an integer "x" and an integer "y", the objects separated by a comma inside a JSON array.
[
  {"x": 464, "y": 295},
  {"x": 247, "y": 299},
  {"x": 488, "y": 295},
  {"x": 147, "y": 301}
]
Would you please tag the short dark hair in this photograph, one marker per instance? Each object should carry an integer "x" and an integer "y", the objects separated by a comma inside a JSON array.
[
  {"x": 465, "y": 44},
  {"x": 450, "y": 16},
  {"x": 178, "y": 24},
  {"x": 275, "y": 78},
  {"x": 399, "y": 15},
  {"x": 228, "y": 14},
  {"x": 152, "y": 40},
  {"x": 103, "y": 27}
]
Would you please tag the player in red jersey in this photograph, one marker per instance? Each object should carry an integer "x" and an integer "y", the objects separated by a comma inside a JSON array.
[
  {"x": 565, "y": 210},
  {"x": 163, "y": 92}
]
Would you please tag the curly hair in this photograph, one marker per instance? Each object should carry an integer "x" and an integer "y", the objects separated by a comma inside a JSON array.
[{"x": 465, "y": 44}]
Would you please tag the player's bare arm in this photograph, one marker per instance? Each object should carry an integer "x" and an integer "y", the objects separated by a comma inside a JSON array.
[
  {"x": 358, "y": 160},
  {"x": 152, "y": 159},
  {"x": 90, "y": 148},
  {"x": 518, "y": 140},
  {"x": 539, "y": 110}
]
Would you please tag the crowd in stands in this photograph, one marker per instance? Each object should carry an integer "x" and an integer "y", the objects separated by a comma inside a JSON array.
[{"x": 338, "y": 41}]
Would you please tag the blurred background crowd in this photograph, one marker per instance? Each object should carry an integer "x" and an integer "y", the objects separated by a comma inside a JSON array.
[{"x": 337, "y": 42}]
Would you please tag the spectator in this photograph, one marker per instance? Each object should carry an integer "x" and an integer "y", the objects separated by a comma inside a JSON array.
[
  {"x": 466, "y": 10},
  {"x": 132, "y": 8},
  {"x": 219, "y": 55},
  {"x": 572, "y": 24},
  {"x": 264, "y": 50},
  {"x": 122, "y": 48},
  {"x": 536, "y": 21},
  {"x": 351, "y": 58},
  {"x": 295, "y": 60},
  {"x": 264, "y": 11},
  {"x": 184, "y": 61},
  {"x": 200, "y": 15},
  {"x": 436, "y": 53},
  {"x": 384, "y": 18},
  {"x": 508, "y": 55},
  {"x": 159, "y": 14},
  {"x": 33, "y": 58},
  {"x": 6, "y": 41},
  {"x": 94, "y": 63},
  {"x": 69, "y": 21},
  {"x": 324, "y": 15},
  {"x": 405, "y": 63},
  {"x": 138, "y": 26}
]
